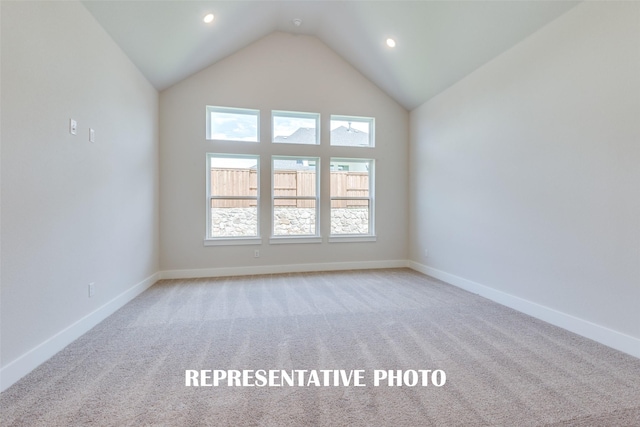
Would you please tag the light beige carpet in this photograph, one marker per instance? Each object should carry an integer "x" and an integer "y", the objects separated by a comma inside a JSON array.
[{"x": 503, "y": 368}]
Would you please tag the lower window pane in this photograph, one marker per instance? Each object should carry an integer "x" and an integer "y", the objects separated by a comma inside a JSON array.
[
  {"x": 234, "y": 218},
  {"x": 293, "y": 217},
  {"x": 349, "y": 216}
]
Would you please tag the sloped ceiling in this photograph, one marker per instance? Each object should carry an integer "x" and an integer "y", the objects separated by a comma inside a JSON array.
[{"x": 438, "y": 42}]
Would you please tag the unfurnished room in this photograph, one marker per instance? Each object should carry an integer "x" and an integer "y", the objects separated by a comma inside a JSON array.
[{"x": 319, "y": 213}]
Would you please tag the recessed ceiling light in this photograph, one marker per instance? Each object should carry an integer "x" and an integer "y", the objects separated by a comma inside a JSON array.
[
  {"x": 391, "y": 43},
  {"x": 208, "y": 18}
]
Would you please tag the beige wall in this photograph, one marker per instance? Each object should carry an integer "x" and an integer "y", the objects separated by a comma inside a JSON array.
[
  {"x": 279, "y": 72},
  {"x": 73, "y": 212},
  {"x": 526, "y": 174}
]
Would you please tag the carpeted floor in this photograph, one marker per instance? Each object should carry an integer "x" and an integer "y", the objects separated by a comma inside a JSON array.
[{"x": 502, "y": 368}]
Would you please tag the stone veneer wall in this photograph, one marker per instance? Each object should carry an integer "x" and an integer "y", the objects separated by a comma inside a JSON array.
[{"x": 288, "y": 221}]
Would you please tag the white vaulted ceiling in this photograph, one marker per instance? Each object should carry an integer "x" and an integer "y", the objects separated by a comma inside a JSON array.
[{"x": 438, "y": 42}]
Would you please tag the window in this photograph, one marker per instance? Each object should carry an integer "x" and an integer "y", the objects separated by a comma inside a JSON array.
[
  {"x": 233, "y": 197},
  {"x": 352, "y": 196},
  {"x": 295, "y": 128},
  {"x": 352, "y": 131},
  {"x": 233, "y": 124},
  {"x": 295, "y": 190},
  {"x": 233, "y": 211}
]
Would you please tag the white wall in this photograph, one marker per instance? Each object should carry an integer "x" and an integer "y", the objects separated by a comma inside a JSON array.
[
  {"x": 526, "y": 175},
  {"x": 73, "y": 212},
  {"x": 282, "y": 72}
]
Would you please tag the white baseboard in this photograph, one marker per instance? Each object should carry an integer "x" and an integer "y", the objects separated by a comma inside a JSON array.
[
  {"x": 595, "y": 332},
  {"x": 41, "y": 353},
  {"x": 277, "y": 269},
  {"x": 36, "y": 356}
]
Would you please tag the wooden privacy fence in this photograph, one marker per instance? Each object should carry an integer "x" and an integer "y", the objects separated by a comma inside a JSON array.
[
  {"x": 234, "y": 183},
  {"x": 287, "y": 183},
  {"x": 292, "y": 183},
  {"x": 349, "y": 184}
]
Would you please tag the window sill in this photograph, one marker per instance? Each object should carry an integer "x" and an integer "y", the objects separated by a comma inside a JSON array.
[
  {"x": 233, "y": 241},
  {"x": 351, "y": 238},
  {"x": 294, "y": 239}
]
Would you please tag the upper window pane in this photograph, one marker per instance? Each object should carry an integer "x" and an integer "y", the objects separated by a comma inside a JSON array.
[
  {"x": 295, "y": 128},
  {"x": 352, "y": 131},
  {"x": 233, "y": 124}
]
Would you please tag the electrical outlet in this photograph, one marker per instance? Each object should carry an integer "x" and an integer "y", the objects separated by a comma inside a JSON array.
[
  {"x": 92, "y": 289},
  {"x": 256, "y": 253}
]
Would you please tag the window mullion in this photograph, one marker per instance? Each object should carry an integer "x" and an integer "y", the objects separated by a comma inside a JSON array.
[
  {"x": 295, "y": 197},
  {"x": 234, "y": 197}
]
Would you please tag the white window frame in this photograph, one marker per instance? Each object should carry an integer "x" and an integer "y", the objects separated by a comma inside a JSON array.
[
  {"x": 294, "y": 115},
  {"x": 282, "y": 239},
  {"x": 371, "y": 235},
  {"x": 231, "y": 240},
  {"x": 372, "y": 129},
  {"x": 232, "y": 110}
]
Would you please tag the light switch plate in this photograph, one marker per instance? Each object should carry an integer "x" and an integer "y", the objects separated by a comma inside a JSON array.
[
  {"x": 92, "y": 135},
  {"x": 73, "y": 127}
]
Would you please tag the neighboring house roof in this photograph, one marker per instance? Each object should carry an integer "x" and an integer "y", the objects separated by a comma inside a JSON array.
[
  {"x": 339, "y": 136},
  {"x": 349, "y": 136},
  {"x": 300, "y": 136}
]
